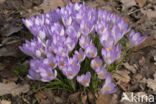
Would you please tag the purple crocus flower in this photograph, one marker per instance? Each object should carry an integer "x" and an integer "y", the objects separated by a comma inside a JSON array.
[
  {"x": 102, "y": 27},
  {"x": 50, "y": 60},
  {"x": 80, "y": 56},
  {"x": 102, "y": 73},
  {"x": 73, "y": 30},
  {"x": 62, "y": 61},
  {"x": 71, "y": 43},
  {"x": 46, "y": 73},
  {"x": 84, "y": 79},
  {"x": 84, "y": 41},
  {"x": 116, "y": 33},
  {"x": 33, "y": 75},
  {"x": 106, "y": 39},
  {"x": 91, "y": 51},
  {"x": 58, "y": 29},
  {"x": 108, "y": 87},
  {"x": 123, "y": 26},
  {"x": 74, "y": 63},
  {"x": 110, "y": 54},
  {"x": 34, "y": 69},
  {"x": 96, "y": 63},
  {"x": 70, "y": 72},
  {"x": 86, "y": 27},
  {"x": 135, "y": 38}
]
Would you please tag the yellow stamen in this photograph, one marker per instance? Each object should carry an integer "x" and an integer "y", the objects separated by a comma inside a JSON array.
[
  {"x": 79, "y": 56},
  {"x": 92, "y": 53},
  {"x": 70, "y": 74},
  {"x": 51, "y": 65},
  {"x": 102, "y": 29},
  {"x": 84, "y": 81},
  {"x": 110, "y": 48},
  {"x": 84, "y": 43},
  {"x": 73, "y": 63},
  {"x": 85, "y": 28},
  {"x": 101, "y": 75},
  {"x": 96, "y": 64},
  {"x": 106, "y": 88},
  {"x": 50, "y": 75},
  {"x": 62, "y": 64}
]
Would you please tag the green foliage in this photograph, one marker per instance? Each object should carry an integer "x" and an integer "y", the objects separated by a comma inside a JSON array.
[{"x": 21, "y": 69}]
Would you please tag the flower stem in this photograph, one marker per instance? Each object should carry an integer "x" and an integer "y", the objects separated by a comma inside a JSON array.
[{"x": 73, "y": 85}]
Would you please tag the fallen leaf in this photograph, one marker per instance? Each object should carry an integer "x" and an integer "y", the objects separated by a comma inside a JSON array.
[
  {"x": 10, "y": 28},
  {"x": 13, "y": 88},
  {"x": 48, "y": 5},
  {"x": 104, "y": 99},
  {"x": 46, "y": 97},
  {"x": 122, "y": 76},
  {"x": 76, "y": 1},
  {"x": 91, "y": 97},
  {"x": 152, "y": 83},
  {"x": 5, "y": 102},
  {"x": 149, "y": 41},
  {"x": 141, "y": 3},
  {"x": 84, "y": 100},
  {"x": 100, "y": 1},
  {"x": 129, "y": 67},
  {"x": 149, "y": 13},
  {"x": 40, "y": 96},
  {"x": 128, "y": 3},
  {"x": 2, "y": 1},
  {"x": 74, "y": 97}
]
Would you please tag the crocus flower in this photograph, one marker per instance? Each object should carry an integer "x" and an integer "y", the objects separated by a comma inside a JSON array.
[
  {"x": 46, "y": 73},
  {"x": 34, "y": 69},
  {"x": 62, "y": 61},
  {"x": 106, "y": 39},
  {"x": 116, "y": 33},
  {"x": 86, "y": 27},
  {"x": 123, "y": 26},
  {"x": 50, "y": 60},
  {"x": 91, "y": 51},
  {"x": 84, "y": 41},
  {"x": 70, "y": 72},
  {"x": 96, "y": 63},
  {"x": 102, "y": 73},
  {"x": 74, "y": 63},
  {"x": 71, "y": 42},
  {"x": 110, "y": 54},
  {"x": 102, "y": 27},
  {"x": 80, "y": 56},
  {"x": 57, "y": 29},
  {"x": 84, "y": 79},
  {"x": 135, "y": 38},
  {"x": 108, "y": 87}
]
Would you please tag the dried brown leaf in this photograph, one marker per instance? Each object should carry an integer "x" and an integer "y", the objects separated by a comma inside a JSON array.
[
  {"x": 74, "y": 97},
  {"x": 104, "y": 99},
  {"x": 48, "y": 5},
  {"x": 141, "y": 3},
  {"x": 129, "y": 67},
  {"x": 128, "y": 3},
  {"x": 13, "y": 88},
  {"x": 122, "y": 76},
  {"x": 5, "y": 102},
  {"x": 152, "y": 83}
]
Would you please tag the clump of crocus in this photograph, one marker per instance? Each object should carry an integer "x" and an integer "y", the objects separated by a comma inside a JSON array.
[{"x": 64, "y": 39}]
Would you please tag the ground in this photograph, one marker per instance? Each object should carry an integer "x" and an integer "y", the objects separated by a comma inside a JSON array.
[{"x": 137, "y": 74}]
